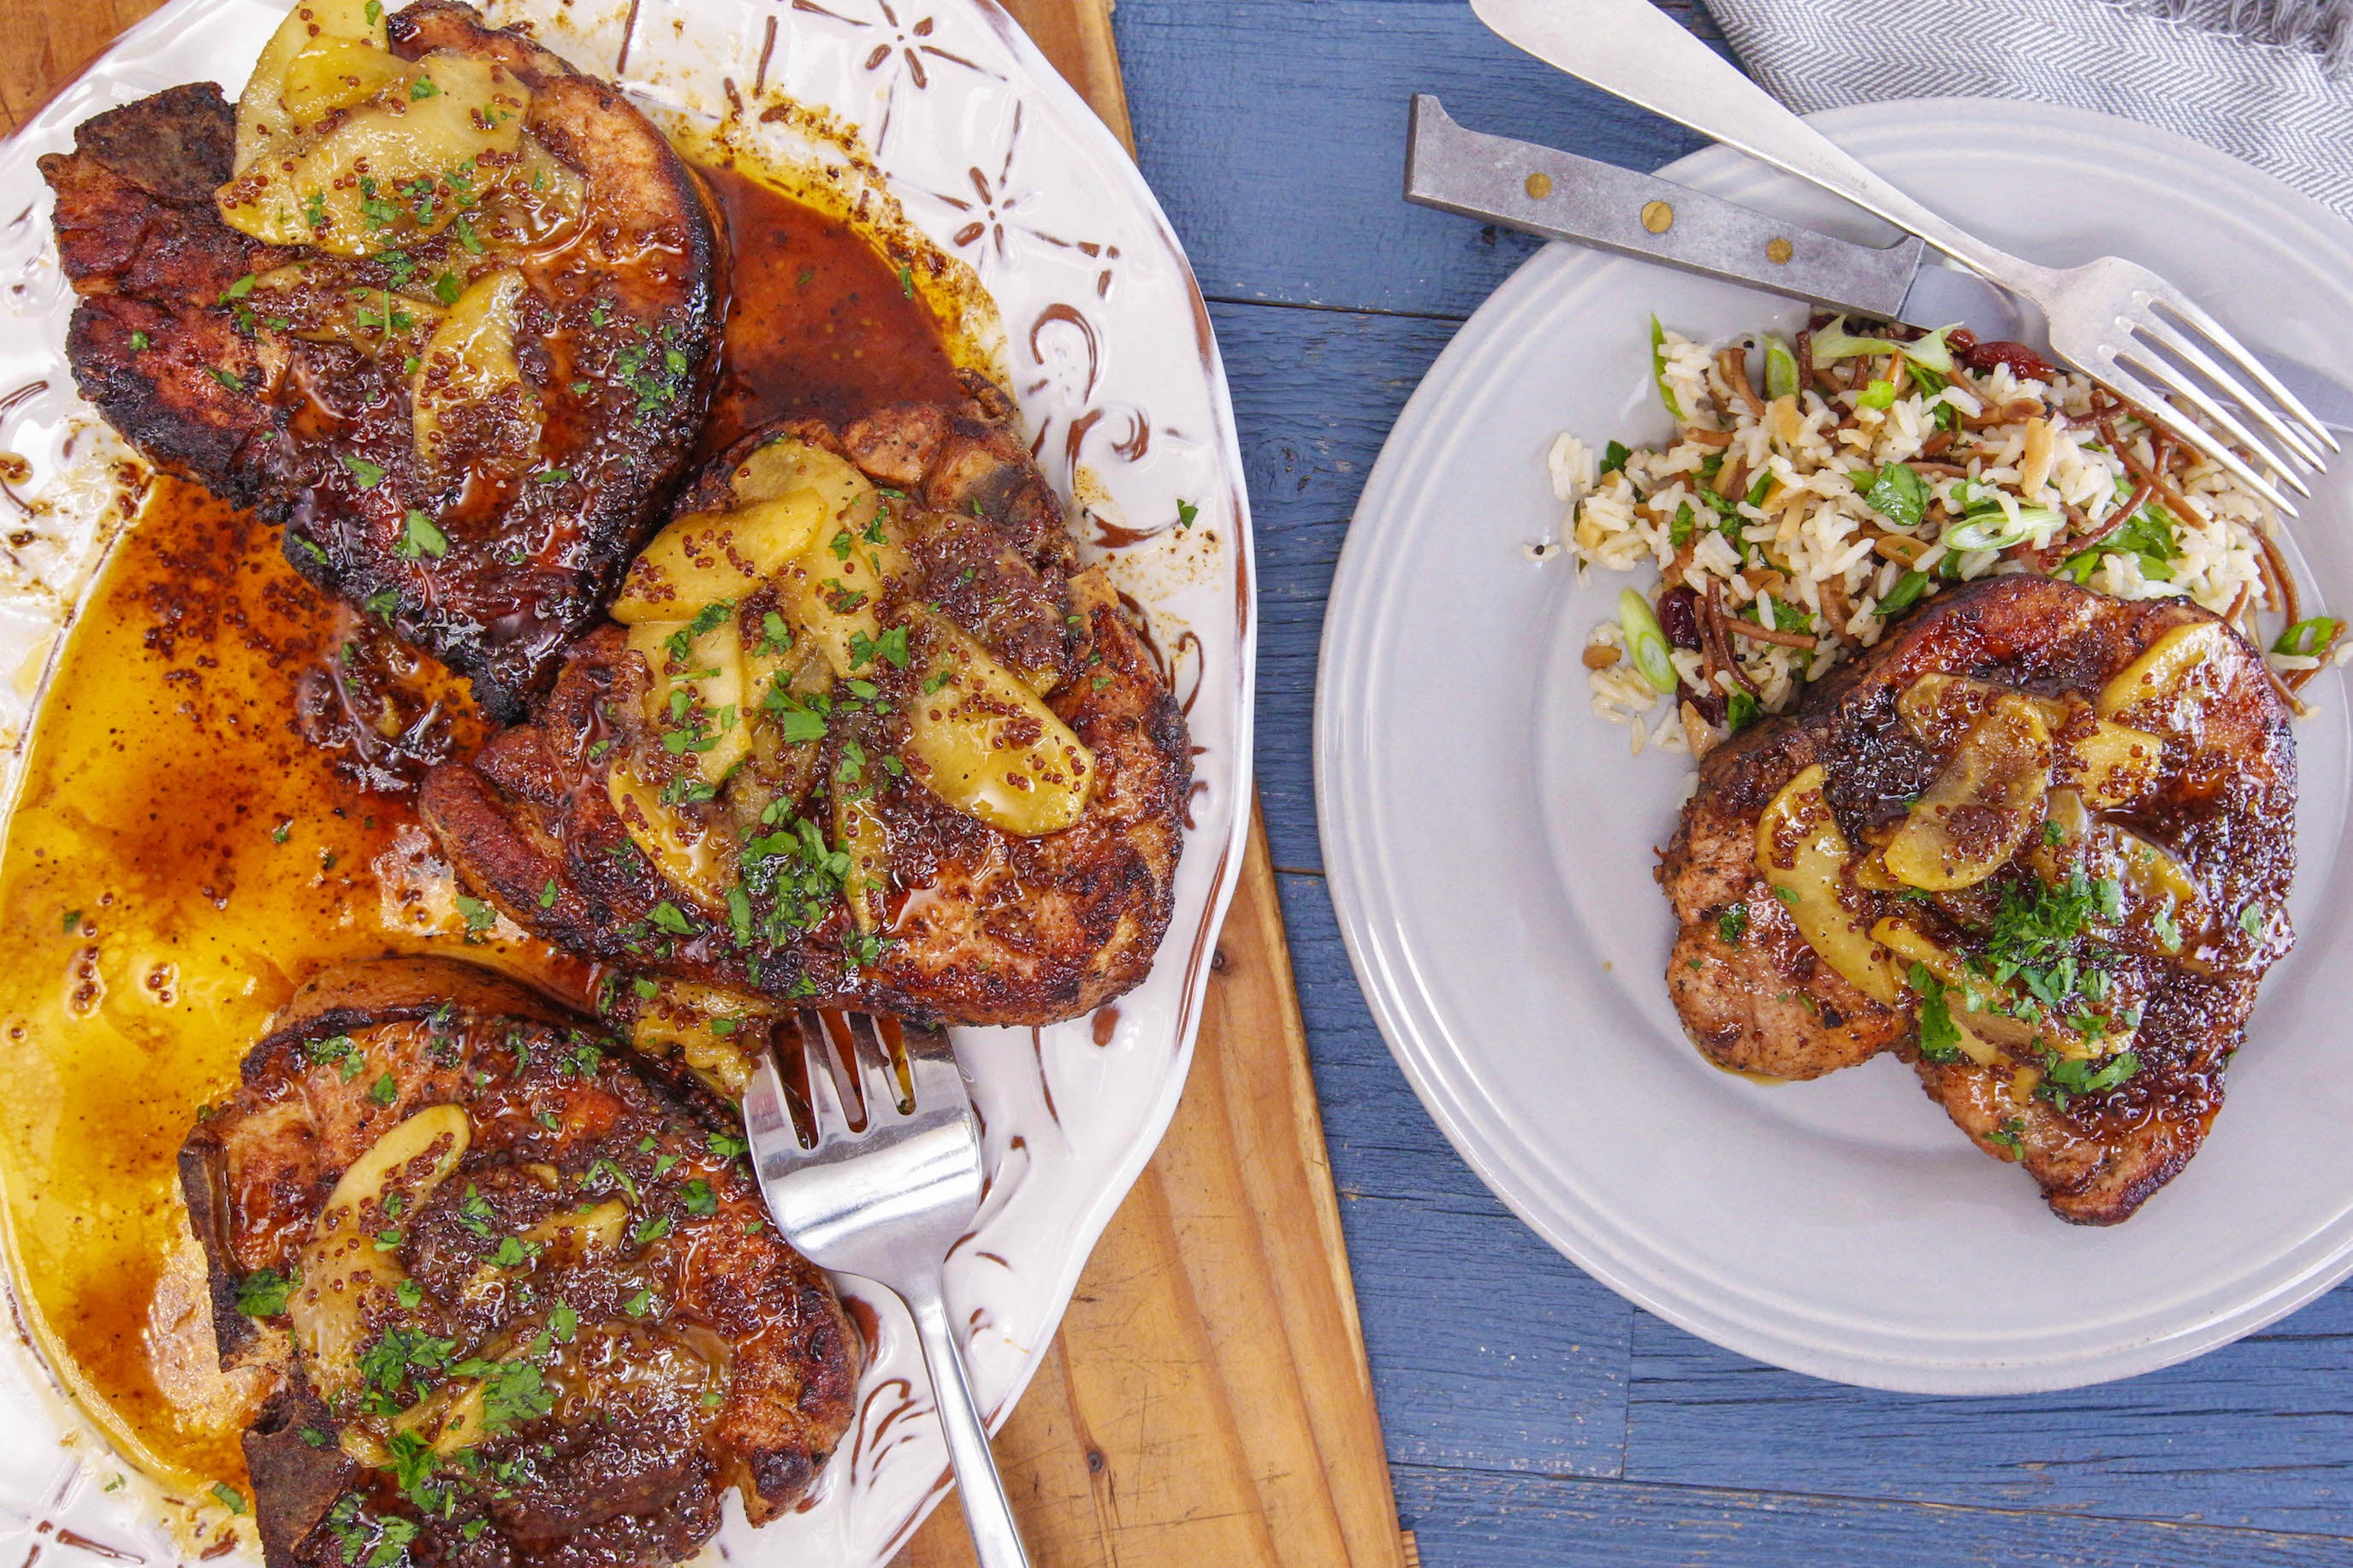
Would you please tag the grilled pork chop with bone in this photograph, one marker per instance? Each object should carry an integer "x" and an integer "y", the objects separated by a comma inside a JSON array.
[
  {"x": 442, "y": 306},
  {"x": 536, "y": 1312},
  {"x": 865, "y": 737},
  {"x": 2037, "y": 842}
]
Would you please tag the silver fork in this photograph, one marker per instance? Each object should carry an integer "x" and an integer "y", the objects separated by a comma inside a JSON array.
[
  {"x": 877, "y": 1177},
  {"x": 2115, "y": 321}
]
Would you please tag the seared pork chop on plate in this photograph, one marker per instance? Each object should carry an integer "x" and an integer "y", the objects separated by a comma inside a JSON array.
[
  {"x": 2037, "y": 842},
  {"x": 867, "y": 738},
  {"x": 516, "y": 1280},
  {"x": 444, "y": 307}
]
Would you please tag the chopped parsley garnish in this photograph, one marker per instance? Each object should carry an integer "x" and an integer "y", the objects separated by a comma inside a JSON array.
[
  {"x": 478, "y": 916},
  {"x": 365, "y": 472},
  {"x": 2007, "y": 1135},
  {"x": 409, "y": 1294},
  {"x": 547, "y": 895},
  {"x": 1940, "y": 1038},
  {"x": 476, "y": 1214},
  {"x": 726, "y": 1146},
  {"x": 564, "y": 1322},
  {"x": 420, "y": 536},
  {"x": 639, "y": 1305},
  {"x": 229, "y": 1497},
  {"x": 2071, "y": 1076},
  {"x": 514, "y": 1392},
  {"x": 668, "y": 917},
  {"x": 383, "y": 1091},
  {"x": 422, "y": 88},
  {"x": 139, "y": 340},
  {"x": 699, "y": 1198},
  {"x": 907, "y": 281},
  {"x": 1733, "y": 923},
  {"x": 262, "y": 1293},
  {"x": 650, "y": 1230}
]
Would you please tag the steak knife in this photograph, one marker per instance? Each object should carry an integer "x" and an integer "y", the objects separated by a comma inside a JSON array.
[{"x": 1560, "y": 195}]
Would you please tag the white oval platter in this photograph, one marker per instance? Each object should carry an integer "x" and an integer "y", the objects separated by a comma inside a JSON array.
[{"x": 1106, "y": 345}]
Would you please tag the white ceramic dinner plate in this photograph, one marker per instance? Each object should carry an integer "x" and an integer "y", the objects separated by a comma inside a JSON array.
[
  {"x": 1490, "y": 842},
  {"x": 1103, "y": 342}
]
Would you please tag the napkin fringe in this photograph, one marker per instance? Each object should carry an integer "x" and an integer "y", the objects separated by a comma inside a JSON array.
[{"x": 2324, "y": 27}]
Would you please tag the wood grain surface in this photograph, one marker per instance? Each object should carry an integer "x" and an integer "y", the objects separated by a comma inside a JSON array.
[{"x": 1208, "y": 1400}]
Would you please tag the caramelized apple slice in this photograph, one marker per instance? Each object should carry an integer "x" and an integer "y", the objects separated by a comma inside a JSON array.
[
  {"x": 263, "y": 122},
  {"x": 706, "y": 557},
  {"x": 386, "y": 172},
  {"x": 1803, "y": 855},
  {"x": 982, "y": 741},
  {"x": 1979, "y": 810}
]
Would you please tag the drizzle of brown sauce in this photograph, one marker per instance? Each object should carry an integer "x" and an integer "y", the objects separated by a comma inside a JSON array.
[
  {"x": 820, "y": 324},
  {"x": 183, "y": 853}
]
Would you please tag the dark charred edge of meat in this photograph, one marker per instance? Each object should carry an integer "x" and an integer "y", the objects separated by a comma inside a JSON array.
[
  {"x": 169, "y": 145},
  {"x": 2075, "y": 640},
  {"x": 204, "y": 1184},
  {"x": 295, "y": 1480},
  {"x": 135, "y": 196}
]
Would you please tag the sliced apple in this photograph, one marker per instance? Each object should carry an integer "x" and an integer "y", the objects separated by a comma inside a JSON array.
[
  {"x": 343, "y": 1269},
  {"x": 387, "y": 173},
  {"x": 2154, "y": 686},
  {"x": 1802, "y": 854},
  {"x": 469, "y": 362},
  {"x": 705, "y": 557},
  {"x": 979, "y": 738},
  {"x": 262, "y": 120},
  {"x": 1979, "y": 810}
]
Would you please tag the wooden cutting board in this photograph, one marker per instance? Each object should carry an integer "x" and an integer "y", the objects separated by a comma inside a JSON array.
[{"x": 1206, "y": 1400}]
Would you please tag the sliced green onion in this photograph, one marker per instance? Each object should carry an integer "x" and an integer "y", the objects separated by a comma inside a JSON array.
[
  {"x": 1996, "y": 530},
  {"x": 2307, "y": 640},
  {"x": 1659, "y": 368},
  {"x": 1835, "y": 342},
  {"x": 1646, "y": 643},
  {"x": 1906, "y": 594},
  {"x": 1780, "y": 366}
]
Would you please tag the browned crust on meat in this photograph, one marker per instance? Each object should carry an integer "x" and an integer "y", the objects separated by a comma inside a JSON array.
[
  {"x": 993, "y": 929},
  {"x": 530, "y": 560},
  {"x": 1768, "y": 1004},
  {"x": 539, "y": 1099}
]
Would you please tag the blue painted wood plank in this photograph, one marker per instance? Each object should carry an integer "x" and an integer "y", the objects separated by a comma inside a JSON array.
[
  {"x": 2257, "y": 1433},
  {"x": 1464, "y": 1518},
  {"x": 1315, "y": 395},
  {"x": 1274, "y": 134}
]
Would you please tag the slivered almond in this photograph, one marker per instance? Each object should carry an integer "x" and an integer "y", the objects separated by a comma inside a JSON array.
[{"x": 2035, "y": 463}]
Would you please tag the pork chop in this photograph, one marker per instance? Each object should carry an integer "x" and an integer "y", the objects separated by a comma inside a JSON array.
[
  {"x": 536, "y": 1312},
  {"x": 2075, "y": 1009},
  {"x": 291, "y": 377},
  {"x": 960, "y": 919}
]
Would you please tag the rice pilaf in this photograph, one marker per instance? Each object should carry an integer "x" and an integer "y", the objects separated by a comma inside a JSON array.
[{"x": 1790, "y": 526}]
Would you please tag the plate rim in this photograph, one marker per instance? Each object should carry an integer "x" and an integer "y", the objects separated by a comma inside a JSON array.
[{"x": 1363, "y": 925}]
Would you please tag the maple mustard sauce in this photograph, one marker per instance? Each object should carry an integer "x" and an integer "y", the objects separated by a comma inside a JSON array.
[{"x": 198, "y": 834}]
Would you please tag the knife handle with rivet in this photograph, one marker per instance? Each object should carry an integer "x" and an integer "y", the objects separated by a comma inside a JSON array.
[{"x": 1563, "y": 197}]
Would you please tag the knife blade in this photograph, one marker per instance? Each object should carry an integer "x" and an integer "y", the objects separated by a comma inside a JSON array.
[{"x": 1555, "y": 195}]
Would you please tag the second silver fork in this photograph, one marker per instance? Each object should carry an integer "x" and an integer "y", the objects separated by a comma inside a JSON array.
[
  {"x": 2112, "y": 320},
  {"x": 882, "y": 1188}
]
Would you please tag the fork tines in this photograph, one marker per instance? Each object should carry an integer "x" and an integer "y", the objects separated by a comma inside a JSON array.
[
  {"x": 851, "y": 1068},
  {"x": 2161, "y": 351}
]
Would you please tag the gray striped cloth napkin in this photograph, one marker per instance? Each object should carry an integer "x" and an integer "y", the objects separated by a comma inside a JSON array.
[{"x": 2269, "y": 81}]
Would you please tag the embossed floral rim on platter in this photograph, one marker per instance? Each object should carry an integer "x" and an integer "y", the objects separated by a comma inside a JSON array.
[{"x": 941, "y": 118}]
